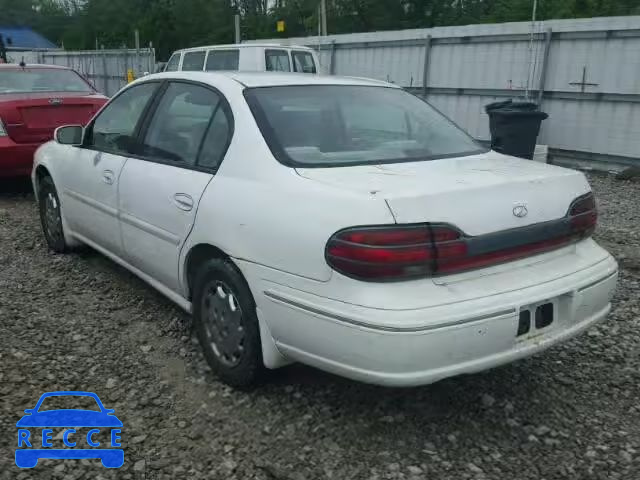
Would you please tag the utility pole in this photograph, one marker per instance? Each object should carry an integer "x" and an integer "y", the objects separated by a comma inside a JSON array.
[
  {"x": 323, "y": 17},
  {"x": 3, "y": 51},
  {"x": 137, "y": 43},
  {"x": 531, "y": 74},
  {"x": 236, "y": 21}
]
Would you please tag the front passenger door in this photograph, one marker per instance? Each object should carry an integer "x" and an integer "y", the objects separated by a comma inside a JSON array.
[
  {"x": 90, "y": 191},
  {"x": 186, "y": 139}
]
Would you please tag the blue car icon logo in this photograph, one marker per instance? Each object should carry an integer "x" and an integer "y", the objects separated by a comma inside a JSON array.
[{"x": 31, "y": 447}]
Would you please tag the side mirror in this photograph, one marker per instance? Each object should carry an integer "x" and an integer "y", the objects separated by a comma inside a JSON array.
[
  {"x": 29, "y": 410},
  {"x": 69, "y": 135}
]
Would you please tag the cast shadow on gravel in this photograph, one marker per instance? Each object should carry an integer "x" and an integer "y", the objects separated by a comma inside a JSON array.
[
  {"x": 305, "y": 387},
  {"x": 526, "y": 390},
  {"x": 522, "y": 378},
  {"x": 15, "y": 187}
]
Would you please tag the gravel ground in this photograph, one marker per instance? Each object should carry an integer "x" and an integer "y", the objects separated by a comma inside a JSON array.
[{"x": 79, "y": 322}]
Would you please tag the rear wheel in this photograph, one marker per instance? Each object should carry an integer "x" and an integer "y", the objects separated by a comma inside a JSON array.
[
  {"x": 226, "y": 323},
  {"x": 50, "y": 215}
]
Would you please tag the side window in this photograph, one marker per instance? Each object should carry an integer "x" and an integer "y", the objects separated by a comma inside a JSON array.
[
  {"x": 114, "y": 129},
  {"x": 277, "y": 61},
  {"x": 193, "y": 61},
  {"x": 223, "y": 60},
  {"x": 173, "y": 63},
  {"x": 216, "y": 141},
  {"x": 303, "y": 62},
  {"x": 180, "y": 123}
]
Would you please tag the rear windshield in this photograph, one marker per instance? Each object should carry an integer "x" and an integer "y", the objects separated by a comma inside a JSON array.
[
  {"x": 65, "y": 402},
  {"x": 335, "y": 125},
  {"x": 41, "y": 80}
]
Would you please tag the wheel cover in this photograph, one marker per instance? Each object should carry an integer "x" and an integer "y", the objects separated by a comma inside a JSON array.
[
  {"x": 52, "y": 219},
  {"x": 223, "y": 325}
]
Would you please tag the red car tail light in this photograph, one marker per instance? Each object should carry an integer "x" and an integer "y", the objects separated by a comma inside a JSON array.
[
  {"x": 583, "y": 215},
  {"x": 401, "y": 252},
  {"x": 392, "y": 252}
]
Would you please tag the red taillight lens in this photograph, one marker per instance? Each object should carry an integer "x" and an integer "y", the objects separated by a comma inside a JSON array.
[
  {"x": 461, "y": 264},
  {"x": 386, "y": 236},
  {"x": 394, "y": 252},
  {"x": 583, "y": 215},
  {"x": 400, "y": 252}
]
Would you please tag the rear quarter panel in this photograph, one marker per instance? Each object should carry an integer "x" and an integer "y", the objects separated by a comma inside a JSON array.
[
  {"x": 263, "y": 212},
  {"x": 282, "y": 222}
]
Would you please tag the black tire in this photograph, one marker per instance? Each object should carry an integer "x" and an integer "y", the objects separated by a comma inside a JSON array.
[
  {"x": 50, "y": 217},
  {"x": 213, "y": 314}
]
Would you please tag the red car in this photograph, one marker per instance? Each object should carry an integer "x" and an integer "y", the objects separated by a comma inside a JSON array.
[{"x": 34, "y": 100}]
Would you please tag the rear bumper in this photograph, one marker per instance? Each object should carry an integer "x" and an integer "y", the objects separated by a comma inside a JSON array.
[
  {"x": 429, "y": 344},
  {"x": 16, "y": 159}
]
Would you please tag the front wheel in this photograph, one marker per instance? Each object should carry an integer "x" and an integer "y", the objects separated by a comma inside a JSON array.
[
  {"x": 226, "y": 323},
  {"x": 50, "y": 215}
]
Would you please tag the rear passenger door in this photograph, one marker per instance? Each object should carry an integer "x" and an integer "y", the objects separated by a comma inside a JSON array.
[{"x": 181, "y": 146}]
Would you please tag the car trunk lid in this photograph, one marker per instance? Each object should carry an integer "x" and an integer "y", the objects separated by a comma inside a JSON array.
[
  {"x": 497, "y": 199},
  {"x": 479, "y": 194},
  {"x": 32, "y": 118}
]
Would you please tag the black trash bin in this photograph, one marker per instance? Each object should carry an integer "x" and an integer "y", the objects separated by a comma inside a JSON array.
[{"x": 514, "y": 127}]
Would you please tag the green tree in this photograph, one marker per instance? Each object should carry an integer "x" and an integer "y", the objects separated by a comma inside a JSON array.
[{"x": 173, "y": 24}]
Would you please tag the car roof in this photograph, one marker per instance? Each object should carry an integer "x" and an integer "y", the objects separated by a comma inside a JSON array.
[
  {"x": 271, "y": 79},
  {"x": 13, "y": 66},
  {"x": 242, "y": 45}
]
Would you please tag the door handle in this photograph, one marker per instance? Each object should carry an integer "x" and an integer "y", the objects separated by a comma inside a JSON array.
[
  {"x": 108, "y": 176},
  {"x": 183, "y": 201}
]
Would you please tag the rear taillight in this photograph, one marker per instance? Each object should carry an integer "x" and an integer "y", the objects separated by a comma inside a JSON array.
[
  {"x": 401, "y": 252},
  {"x": 583, "y": 215},
  {"x": 393, "y": 252}
]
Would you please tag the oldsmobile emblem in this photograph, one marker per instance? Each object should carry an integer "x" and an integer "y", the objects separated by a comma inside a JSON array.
[
  {"x": 55, "y": 101},
  {"x": 520, "y": 211}
]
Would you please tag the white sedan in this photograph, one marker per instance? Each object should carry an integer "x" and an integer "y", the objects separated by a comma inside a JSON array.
[{"x": 342, "y": 223}]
